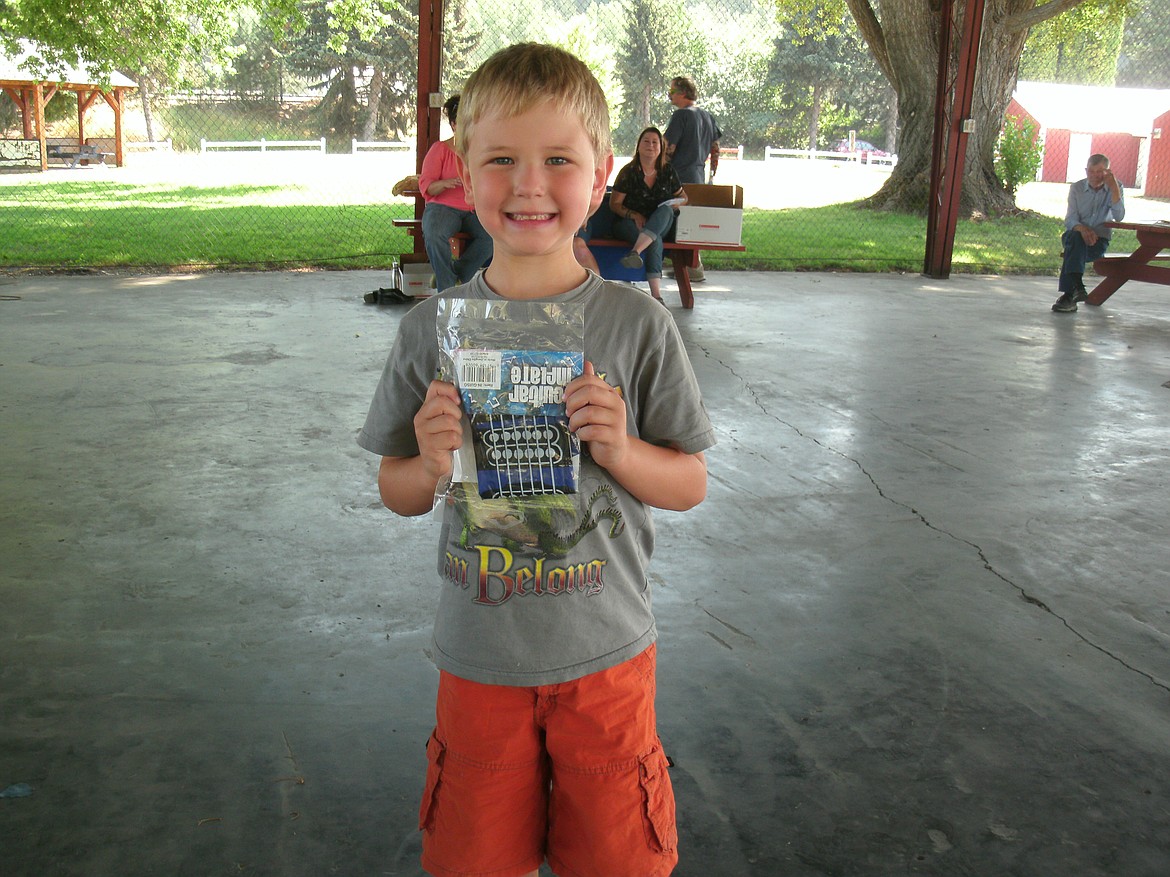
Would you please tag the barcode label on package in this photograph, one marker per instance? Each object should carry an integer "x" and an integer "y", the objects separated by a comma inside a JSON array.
[{"x": 479, "y": 369}]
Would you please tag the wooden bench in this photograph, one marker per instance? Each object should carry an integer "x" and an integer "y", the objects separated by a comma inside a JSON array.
[
  {"x": 1109, "y": 258},
  {"x": 83, "y": 153},
  {"x": 1153, "y": 238},
  {"x": 683, "y": 256},
  {"x": 1119, "y": 267}
]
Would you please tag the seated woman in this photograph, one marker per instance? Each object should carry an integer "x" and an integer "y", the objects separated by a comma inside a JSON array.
[
  {"x": 645, "y": 200},
  {"x": 447, "y": 213}
]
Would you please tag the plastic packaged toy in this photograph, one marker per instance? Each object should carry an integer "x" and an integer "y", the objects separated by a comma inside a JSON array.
[{"x": 511, "y": 361}]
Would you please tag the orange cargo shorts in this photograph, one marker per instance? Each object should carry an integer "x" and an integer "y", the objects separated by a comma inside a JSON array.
[{"x": 573, "y": 773}]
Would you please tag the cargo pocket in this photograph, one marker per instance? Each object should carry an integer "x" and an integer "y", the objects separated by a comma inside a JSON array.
[
  {"x": 658, "y": 801},
  {"x": 435, "y": 755}
]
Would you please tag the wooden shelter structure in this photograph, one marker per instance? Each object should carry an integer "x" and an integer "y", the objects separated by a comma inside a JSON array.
[
  {"x": 954, "y": 94},
  {"x": 31, "y": 94}
]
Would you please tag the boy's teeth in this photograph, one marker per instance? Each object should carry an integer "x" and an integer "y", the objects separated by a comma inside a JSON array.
[{"x": 528, "y": 217}]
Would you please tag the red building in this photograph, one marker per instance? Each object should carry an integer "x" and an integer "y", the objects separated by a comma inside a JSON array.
[
  {"x": 1130, "y": 125},
  {"x": 1158, "y": 177}
]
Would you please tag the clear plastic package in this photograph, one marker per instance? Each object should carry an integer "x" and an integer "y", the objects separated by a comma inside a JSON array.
[{"x": 511, "y": 361}]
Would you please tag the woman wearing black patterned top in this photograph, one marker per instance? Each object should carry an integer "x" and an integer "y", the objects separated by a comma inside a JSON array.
[{"x": 645, "y": 199}]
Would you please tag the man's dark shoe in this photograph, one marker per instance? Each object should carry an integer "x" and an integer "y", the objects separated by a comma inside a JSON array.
[
  {"x": 1079, "y": 294},
  {"x": 1067, "y": 303}
]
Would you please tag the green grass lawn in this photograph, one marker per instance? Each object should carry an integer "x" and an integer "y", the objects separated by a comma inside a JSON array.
[{"x": 96, "y": 223}]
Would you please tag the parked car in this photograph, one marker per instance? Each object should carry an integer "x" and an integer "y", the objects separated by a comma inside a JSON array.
[{"x": 858, "y": 146}]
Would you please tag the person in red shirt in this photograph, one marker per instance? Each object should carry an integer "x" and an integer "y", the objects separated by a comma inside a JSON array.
[{"x": 448, "y": 212}]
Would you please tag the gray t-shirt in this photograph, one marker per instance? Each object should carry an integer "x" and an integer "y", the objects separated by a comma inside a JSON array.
[
  {"x": 691, "y": 131},
  {"x": 542, "y": 591}
]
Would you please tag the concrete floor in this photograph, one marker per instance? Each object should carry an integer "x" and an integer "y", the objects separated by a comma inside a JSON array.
[{"x": 920, "y": 626}]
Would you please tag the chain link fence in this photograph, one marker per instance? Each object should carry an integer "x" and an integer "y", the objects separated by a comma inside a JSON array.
[{"x": 288, "y": 157}]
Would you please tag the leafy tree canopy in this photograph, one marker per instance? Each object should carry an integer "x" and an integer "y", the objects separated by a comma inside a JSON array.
[
  {"x": 114, "y": 34},
  {"x": 1081, "y": 46},
  {"x": 654, "y": 50},
  {"x": 1145, "y": 51},
  {"x": 158, "y": 35}
]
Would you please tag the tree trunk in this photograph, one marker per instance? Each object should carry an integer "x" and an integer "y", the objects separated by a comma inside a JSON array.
[
  {"x": 370, "y": 123},
  {"x": 999, "y": 64},
  {"x": 147, "y": 113},
  {"x": 906, "y": 47},
  {"x": 339, "y": 106},
  {"x": 814, "y": 115}
]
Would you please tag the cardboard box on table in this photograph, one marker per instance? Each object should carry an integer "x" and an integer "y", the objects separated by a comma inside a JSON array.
[
  {"x": 712, "y": 215},
  {"x": 416, "y": 277}
]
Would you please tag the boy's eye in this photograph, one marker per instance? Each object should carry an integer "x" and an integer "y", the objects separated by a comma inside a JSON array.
[
  {"x": 556, "y": 159},
  {"x": 501, "y": 160}
]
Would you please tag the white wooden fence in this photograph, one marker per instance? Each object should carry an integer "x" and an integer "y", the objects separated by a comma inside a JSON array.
[
  {"x": 771, "y": 152},
  {"x": 262, "y": 144},
  {"x": 150, "y": 145},
  {"x": 357, "y": 145}
]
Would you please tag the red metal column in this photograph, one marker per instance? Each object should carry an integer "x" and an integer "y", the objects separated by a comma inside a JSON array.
[
  {"x": 430, "y": 73},
  {"x": 951, "y": 129},
  {"x": 938, "y": 158}
]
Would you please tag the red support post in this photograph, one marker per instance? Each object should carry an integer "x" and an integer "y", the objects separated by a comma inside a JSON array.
[
  {"x": 950, "y": 135},
  {"x": 430, "y": 80},
  {"x": 938, "y": 157}
]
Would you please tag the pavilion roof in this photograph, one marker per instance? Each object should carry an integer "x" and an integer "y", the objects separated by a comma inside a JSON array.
[{"x": 12, "y": 70}]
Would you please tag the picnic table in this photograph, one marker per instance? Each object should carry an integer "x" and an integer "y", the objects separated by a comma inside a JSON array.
[
  {"x": 683, "y": 256},
  {"x": 83, "y": 152},
  {"x": 1153, "y": 238}
]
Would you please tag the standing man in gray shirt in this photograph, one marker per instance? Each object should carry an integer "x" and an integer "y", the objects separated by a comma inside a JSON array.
[
  {"x": 1092, "y": 202},
  {"x": 691, "y": 137}
]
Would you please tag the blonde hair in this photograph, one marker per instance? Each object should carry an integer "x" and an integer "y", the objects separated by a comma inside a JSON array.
[{"x": 515, "y": 79}]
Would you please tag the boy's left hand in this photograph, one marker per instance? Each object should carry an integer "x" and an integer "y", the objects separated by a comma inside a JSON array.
[{"x": 597, "y": 414}]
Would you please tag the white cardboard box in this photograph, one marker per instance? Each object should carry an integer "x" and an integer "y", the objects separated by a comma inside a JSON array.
[
  {"x": 709, "y": 225},
  {"x": 416, "y": 278}
]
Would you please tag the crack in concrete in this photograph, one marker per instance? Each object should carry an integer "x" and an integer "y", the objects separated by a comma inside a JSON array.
[
  {"x": 729, "y": 626},
  {"x": 984, "y": 559}
]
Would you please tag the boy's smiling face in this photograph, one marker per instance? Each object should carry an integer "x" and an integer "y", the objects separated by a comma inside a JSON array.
[{"x": 533, "y": 179}]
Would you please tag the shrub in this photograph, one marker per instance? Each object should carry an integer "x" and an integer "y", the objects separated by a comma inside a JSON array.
[{"x": 1018, "y": 153}]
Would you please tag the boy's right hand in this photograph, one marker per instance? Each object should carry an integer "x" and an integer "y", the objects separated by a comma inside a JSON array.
[{"x": 438, "y": 426}]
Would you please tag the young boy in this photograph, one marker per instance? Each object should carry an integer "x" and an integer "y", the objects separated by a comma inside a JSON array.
[{"x": 545, "y": 744}]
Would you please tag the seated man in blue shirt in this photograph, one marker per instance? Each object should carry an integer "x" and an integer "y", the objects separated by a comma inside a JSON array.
[{"x": 1092, "y": 202}]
